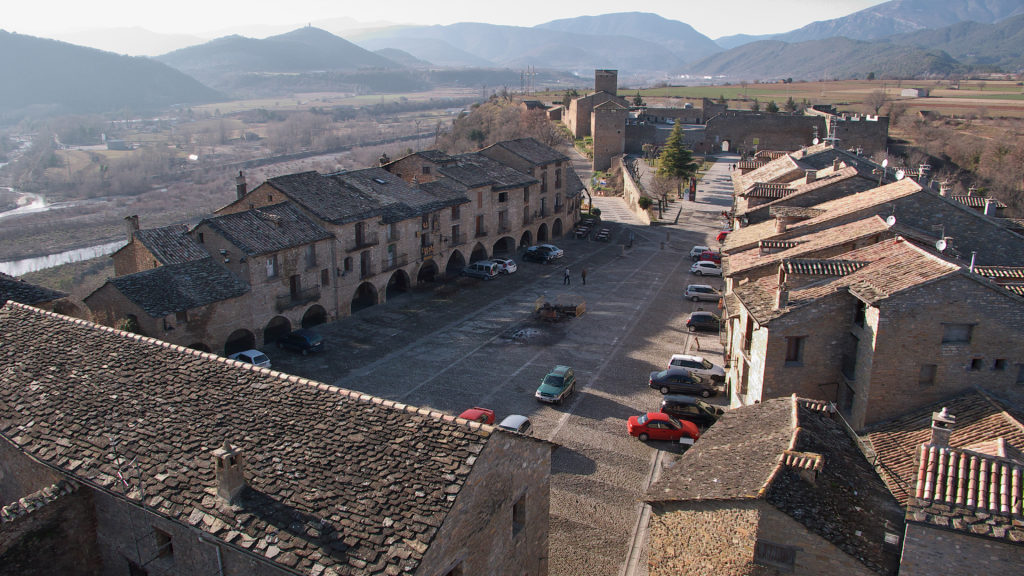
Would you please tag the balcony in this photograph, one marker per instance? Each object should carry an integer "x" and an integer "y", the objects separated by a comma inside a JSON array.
[
  {"x": 363, "y": 241},
  {"x": 397, "y": 261},
  {"x": 305, "y": 296},
  {"x": 366, "y": 270},
  {"x": 481, "y": 232},
  {"x": 503, "y": 227}
]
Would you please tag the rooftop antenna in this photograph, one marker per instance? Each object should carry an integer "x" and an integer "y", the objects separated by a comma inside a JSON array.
[
  {"x": 900, "y": 175},
  {"x": 831, "y": 138},
  {"x": 885, "y": 163},
  {"x": 921, "y": 171}
]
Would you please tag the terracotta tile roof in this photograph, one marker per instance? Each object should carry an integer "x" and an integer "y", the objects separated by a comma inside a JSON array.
[
  {"x": 769, "y": 190},
  {"x": 171, "y": 244},
  {"x": 740, "y": 262},
  {"x": 771, "y": 451},
  {"x": 796, "y": 212},
  {"x": 979, "y": 419},
  {"x": 532, "y": 151},
  {"x": 825, "y": 178},
  {"x": 179, "y": 287},
  {"x": 770, "y": 154},
  {"x": 782, "y": 169},
  {"x": 816, "y": 267},
  {"x": 474, "y": 170},
  {"x": 19, "y": 291},
  {"x": 749, "y": 235},
  {"x": 436, "y": 156},
  {"x": 1001, "y": 272},
  {"x": 338, "y": 480},
  {"x": 976, "y": 201},
  {"x": 751, "y": 164},
  {"x": 270, "y": 229},
  {"x": 1017, "y": 289}
]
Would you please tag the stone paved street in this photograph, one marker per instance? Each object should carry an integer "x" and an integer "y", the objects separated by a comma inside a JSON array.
[{"x": 481, "y": 346}]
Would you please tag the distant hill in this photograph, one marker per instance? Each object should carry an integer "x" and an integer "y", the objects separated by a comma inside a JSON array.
[
  {"x": 135, "y": 41},
  {"x": 302, "y": 50},
  {"x": 47, "y": 77},
  {"x": 902, "y": 16},
  {"x": 999, "y": 45},
  {"x": 825, "y": 59},
  {"x": 402, "y": 57},
  {"x": 435, "y": 50},
  {"x": 728, "y": 42},
  {"x": 685, "y": 42}
]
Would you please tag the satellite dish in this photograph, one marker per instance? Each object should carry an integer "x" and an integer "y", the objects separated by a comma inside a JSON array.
[
  {"x": 941, "y": 244},
  {"x": 885, "y": 163},
  {"x": 890, "y": 221},
  {"x": 900, "y": 174},
  {"x": 815, "y": 141}
]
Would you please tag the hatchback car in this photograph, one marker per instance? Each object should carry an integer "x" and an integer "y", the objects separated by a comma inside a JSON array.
[
  {"x": 254, "y": 357},
  {"x": 705, "y": 321},
  {"x": 543, "y": 253},
  {"x": 696, "y": 251},
  {"x": 706, "y": 268},
  {"x": 518, "y": 424},
  {"x": 477, "y": 414},
  {"x": 302, "y": 340},
  {"x": 691, "y": 409},
  {"x": 711, "y": 256},
  {"x": 660, "y": 426},
  {"x": 681, "y": 381},
  {"x": 558, "y": 385},
  {"x": 698, "y": 365},
  {"x": 506, "y": 265},
  {"x": 698, "y": 292},
  {"x": 722, "y": 235}
]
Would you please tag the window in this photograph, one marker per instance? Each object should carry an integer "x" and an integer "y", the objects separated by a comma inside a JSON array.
[
  {"x": 795, "y": 349},
  {"x": 999, "y": 364},
  {"x": 164, "y": 546},
  {"x": 479, "y": 197},
  {"x": 526, "y": 194},
  {"x": 956, "y": 333},
  {"x": 325, "y": 277},
  {"x": 519, "y": 515},
  {"x": 926, "y": 377},
  {"x": 456, "y": 214},
  {"x": 775, "y": 555},
  {"x": 348, "y": 265},
  {"x": 425, "y": 221},
  {"x": 976, "y": 363},
  {"x": 181, "y": 317},
  {"x": 201, "y": 239},
  {"x": 543, "y": 182},
  {"x": 558, "y": 178},
  {"x": 270, "y": 197},
  {"x": 272, "y": 266},
  {"x": 480, "y": 230},
  {"x": 426, "y": 169},
  {"x": 502, "y": 196},
  {"x": 311, "y": 256}
]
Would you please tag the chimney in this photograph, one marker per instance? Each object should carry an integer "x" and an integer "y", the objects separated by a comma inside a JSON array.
[
  {"x": 131, "y": 225},
  {"x": 835, "y": 164},
  {"x": 811, "y": 175},
  {"x": 782, "y": 293},
  {"x": 240, "y": 186},
  {"x": 942, "y": 428},
  {"x": 229, "y": 466},
  {"x": 780, "y": 225},
  {"x": 944, "y": 188}
]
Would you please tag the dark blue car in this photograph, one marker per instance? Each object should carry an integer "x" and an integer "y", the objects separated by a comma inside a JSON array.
[{"x": 302, "y": 340}]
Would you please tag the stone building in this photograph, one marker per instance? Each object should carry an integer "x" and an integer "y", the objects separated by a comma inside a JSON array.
[
  {"x": 879, "y": 330},
  {"x": 746, "y": 132},
  {"x": 779, "y": 487},
  {"x": 150, "y": 248},
  {"x": 15, "y": 290},
  {"x": 577, "y": 117},
  {"x": 121, "y": 454},
  {"x": 960, "y": 482},
  {"x": 608, "y": 122}
]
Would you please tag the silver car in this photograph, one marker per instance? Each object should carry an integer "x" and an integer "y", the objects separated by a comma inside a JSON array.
[{"x": 697, "y": 292}]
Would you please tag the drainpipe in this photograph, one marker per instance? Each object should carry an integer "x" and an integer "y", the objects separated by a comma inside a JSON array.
[{"x": 973, "y": 254}]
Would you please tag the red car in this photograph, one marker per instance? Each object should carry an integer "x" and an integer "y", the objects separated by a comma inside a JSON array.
[
  {"x": 481, "y": 415},
  {"x": 721, "y": 235},
  {"x": 710, "y": 256},
  {"x": 659, "y": 426}
]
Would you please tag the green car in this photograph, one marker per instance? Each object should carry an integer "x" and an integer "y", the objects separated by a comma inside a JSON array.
[{"x": 559, "y": 384}]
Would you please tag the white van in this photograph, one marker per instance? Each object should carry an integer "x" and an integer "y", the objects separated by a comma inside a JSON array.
[{"x": 484, "y": 269}]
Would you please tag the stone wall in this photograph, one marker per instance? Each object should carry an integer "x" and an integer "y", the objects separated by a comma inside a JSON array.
[
  {"x": 134, "y": 257},
  {"x": 480, "y": 533},
  {"x": 815, "y": 555},
  {"x": 631, "y": 191},
  {"x": 869, "y": 133},
  {"x": 609, "y": 130},
  {"x": 21, "y": 475},
  {"x": 928, "y": 551},
  {"x": 57, "y": 536},
  {"x": 772, "y": 131}
]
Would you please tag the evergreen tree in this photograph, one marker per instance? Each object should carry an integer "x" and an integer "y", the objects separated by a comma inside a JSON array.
[
  {"x": 755, "y": 106},
  {"x": 791, "y": 105},
  {"x": 676, "y": 161},
  {"x": 637, "y": 100},
  {"x": 771, "y": 107}
]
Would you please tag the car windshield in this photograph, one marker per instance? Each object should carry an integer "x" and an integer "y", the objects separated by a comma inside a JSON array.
[
  {"x": 642, "y": 419},
  {"x": 553, "y": 380},
  {"x": 259, "y": 359},
  {"x": 707, "y": 365}
]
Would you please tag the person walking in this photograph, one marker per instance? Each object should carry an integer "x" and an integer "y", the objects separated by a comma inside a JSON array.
[
  {"x": 565, "y": 278},
  {"x": 583, "y": 274}
]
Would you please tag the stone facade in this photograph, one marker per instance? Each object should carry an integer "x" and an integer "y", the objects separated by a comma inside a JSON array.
[
  {"x": 736, "y": 130},
  {"x": 928, "y": 550},
  {"x": 608, "y": 123},
  {"x": 56, "y": 534}
]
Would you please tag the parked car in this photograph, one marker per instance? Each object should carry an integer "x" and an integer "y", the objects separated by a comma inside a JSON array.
[
  {"x": 681, "y": 381},
  {"x": 254, "y": 357},
  {"x": 697, "y": 292},
  {"x": 485, "y": 270},
  {"x": 518, "y": 424},
  {"x": 557, "y": 385},
  {"x": 711, "y": 256},
  {"x": 722, "y": 234},
  {"x": 302, "y": 340},
  {"x": 660, "y": 426},
  {"x": 705, "y": 321},
  {"x": 543, "y": 253},
  {"x": 506, "y": 265},
  {"x": 696, "y": 251},
  {"x": 477, "y": 414},
  {"x": 705, "y": 268},
  {"x": 691, "y": 409},
  {"x": 698, "y": 365}
]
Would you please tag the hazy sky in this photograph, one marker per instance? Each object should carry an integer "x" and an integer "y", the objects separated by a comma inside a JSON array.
[{"x": 39, "y": 17}]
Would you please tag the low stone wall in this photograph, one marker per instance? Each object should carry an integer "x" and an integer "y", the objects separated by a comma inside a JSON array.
[{"x": 632, "y": 190}]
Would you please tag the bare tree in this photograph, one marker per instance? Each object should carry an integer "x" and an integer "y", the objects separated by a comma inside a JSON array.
[{"x": 876, "y": 100}]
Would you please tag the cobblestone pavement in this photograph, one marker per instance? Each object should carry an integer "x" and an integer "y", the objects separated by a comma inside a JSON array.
[{"x": 482, "y": 346}]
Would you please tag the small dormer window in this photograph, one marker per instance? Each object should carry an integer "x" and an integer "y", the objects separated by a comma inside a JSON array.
[
  {"x": 201, "y": 238},
  {"x": 270, "y": 197}
]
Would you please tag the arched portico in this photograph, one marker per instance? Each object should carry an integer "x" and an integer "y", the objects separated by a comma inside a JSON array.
[
  {"x": 456, "y": 262},
  {"x": 365, "y": 297},
  {"x": 277, "y": 327},
  {"x": 542, "y": 233},
  {"x": 315, "y": 316},
  {"x": 505, "y": 246},
  {"x": 398, "y": 283},
  {"x": 239, "y": 340}
]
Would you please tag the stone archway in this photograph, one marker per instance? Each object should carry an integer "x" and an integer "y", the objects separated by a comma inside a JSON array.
[
  {"x": 397, "y": 284},
  {"x": 505, "y": 246},
  {"x": 479, "y": 253},
  {"x": 725, "y": 145},
  {"x": 428, "y": 273},
  {"x": 526, "y": 239},
  {"x": 202, "y": 347},
  {"x": 542, "y": 233},
  {"x": 365, "y": 297},
  {"x": 456, "y": 262},
  {"x": 277, "y": 327},
  {"x": 315, "y": 316},
  {"x": 239, "y": 340},
  {"x": 556, "y": 228}
]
